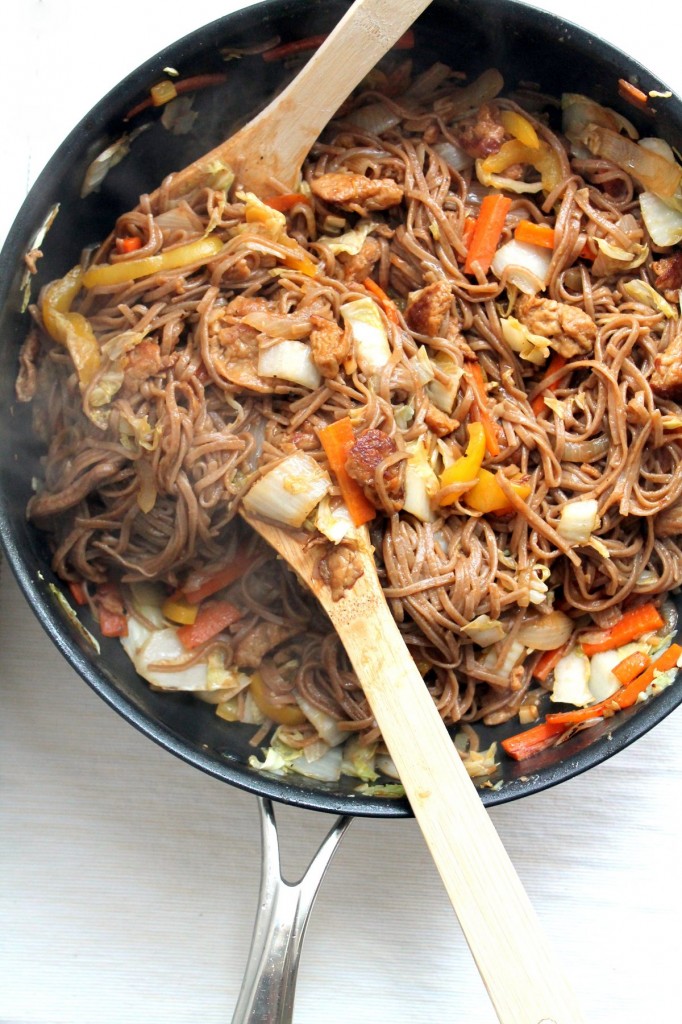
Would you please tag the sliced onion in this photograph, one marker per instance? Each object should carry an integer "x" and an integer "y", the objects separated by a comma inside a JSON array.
[
  {"x": 654, "y": 172},
  {"x": 484, "y": 631},
  {"x": 546, "y": 632},
  {"x": 374, "y": 118},
  {"x": 454, "y": 156},
  {"x": 580, "y": 111},
  {"x": 470, "y": 97},
  {"x": 429, "y": 80},
  {"x": 278, "y": 325},
  {"x": 585, "y": 451}
]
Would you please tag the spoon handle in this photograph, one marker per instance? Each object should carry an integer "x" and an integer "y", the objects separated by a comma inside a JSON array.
[
  {"x": 275, "y": 143},
  {"x": 524, "y": 980}
]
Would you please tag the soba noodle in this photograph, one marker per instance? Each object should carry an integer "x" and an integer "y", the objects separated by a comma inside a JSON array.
[{"x": 150, "y": 456}]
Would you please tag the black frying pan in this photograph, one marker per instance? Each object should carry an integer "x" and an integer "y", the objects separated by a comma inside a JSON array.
[{"x": 471, "y": 35}]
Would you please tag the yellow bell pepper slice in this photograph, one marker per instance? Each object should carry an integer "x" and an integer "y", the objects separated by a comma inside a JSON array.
[
  {"x": 467, "y": 468},
  {"x": 487, "y": 495},
  {"x": 72, "y": 330},
  {"x": 178, "y": 609},
  {"x": 285, "y": 714},
  {"x": 520, "y": 127},
  {"x": 200, "y": 251},
  {"x": 542, "y": 158}
]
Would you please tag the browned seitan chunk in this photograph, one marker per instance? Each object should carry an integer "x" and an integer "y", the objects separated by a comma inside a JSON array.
[
  {"x": 482, "y": 135},
  {"x": 386, "y": 490},
  {"x": 569, "y": 330},
  {"x": 329, "y": 345},
  {"x": 260, "y": 640},
  {"x": 357, "y": 192},
  {"x": 666, "y": 380},
  {"x": 426, "y": 308}
]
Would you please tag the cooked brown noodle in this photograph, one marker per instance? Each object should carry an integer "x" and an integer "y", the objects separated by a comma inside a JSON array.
[{"x": 614, "y": 439}]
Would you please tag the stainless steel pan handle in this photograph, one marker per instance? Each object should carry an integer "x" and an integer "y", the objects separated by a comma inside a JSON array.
[{"x": 268, "y": 988}]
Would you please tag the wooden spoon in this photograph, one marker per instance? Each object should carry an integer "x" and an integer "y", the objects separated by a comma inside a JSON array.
[
  {"x": 276, "y": 142},
  {"x": 523, "y": 979}
]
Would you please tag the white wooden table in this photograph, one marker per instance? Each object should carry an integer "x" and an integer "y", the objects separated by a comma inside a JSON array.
[{"x": 128, "y": 880}]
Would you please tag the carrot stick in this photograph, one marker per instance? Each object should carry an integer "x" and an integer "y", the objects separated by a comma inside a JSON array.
[
  {"x": 486, "y": 234},
  {"x": 387, "y": 304},
  {"x": 623, "y": 698},
  {"x": 286, "y": 202},
  {"x": 213, "y": 618},
  {"x": 549, "y": 661},
  {"x": 535, "y": 234},
  {"x": 337, "y": 439},
  {"x": 111, "y": 612},
  {"x": 532, "y": 741},
  {"x": 198, "y": 588},
  {"x": 630, "y": 626},
  {"x": 112, "y": 623},
  {"x": 128, "y": 244},
  {"x": 475, "y": 378},
  {"x": 557, "y": 362},
  {"x": 78, "y": 592},
  {"x": 632, "y": 666},
  {"x": 181, "y": 85},
  {"x": 296, "y": 46},
  {"x": 633, "y": 95}
]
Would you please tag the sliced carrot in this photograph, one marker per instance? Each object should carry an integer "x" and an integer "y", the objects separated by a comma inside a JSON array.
[
  {"x": 181, "y": 85},
  {"x": 532, "y": 741},
  {"x": 632, "y": 666},
  {"x": 200, "y": 586},
  {"x": 535, "y": 234},
  {"x": 633, "y": 95},
  {"x": 475, "y": 378},
  {"x": 632, "y": 625},
  {"x": 285, "y": 50},
  {"x": 549, "y": 660},
  {"x": 387, "y": 304},
  {"x": 556, "y": 363},
  {"x": 663, "y": 663},
  {"x": 625, "y": 697},
  {"x": 112, "y": 623},
  {"x": 111, "y": 612},
  {"x": 337, "y": 439},
  {"x": 287, "y": 201},
  {"x": 487, "y": 232},
  {"x": 128, "y": 244},
  {"x": 77, "y": 590},
  {"x": 213, "y": 618}
]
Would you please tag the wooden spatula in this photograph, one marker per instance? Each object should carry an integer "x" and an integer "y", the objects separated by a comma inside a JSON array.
[
  {"x": 525, "y": 983},
  {"x": 524, "y": 980},
  {"x": 276, "y": 142}
]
